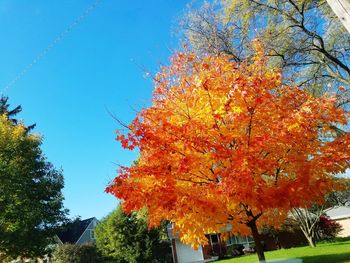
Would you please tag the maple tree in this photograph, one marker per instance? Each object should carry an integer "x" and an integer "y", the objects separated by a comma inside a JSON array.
[{"x": 229, "y": 143}]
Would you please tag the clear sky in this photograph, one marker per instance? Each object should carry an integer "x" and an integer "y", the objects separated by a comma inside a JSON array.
[{"x": 97, "y": 65}]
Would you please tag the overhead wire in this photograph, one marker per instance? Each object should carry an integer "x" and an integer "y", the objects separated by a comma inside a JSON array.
[{"x": 51, "y": 45}]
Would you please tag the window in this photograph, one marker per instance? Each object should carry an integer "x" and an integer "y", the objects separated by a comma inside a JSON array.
[
  {"x": 214, "y": 239},
  {"x": 236, "y": 240},
  {"x": 92, "y": 234}
]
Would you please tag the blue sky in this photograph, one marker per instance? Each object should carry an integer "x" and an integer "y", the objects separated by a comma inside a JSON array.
[{"x": 98, "y": 65}]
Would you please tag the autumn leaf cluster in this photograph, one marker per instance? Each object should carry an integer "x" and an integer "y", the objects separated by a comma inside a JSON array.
[{"x": 224, "y": 143}]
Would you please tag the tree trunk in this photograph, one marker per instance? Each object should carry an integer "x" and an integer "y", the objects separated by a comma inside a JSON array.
[
  {"x": 340, "y": 8},
  {"x": 310, "y": 240},
  {"x": 307, "y": 222},
  {"x": 257, "y": 240}
]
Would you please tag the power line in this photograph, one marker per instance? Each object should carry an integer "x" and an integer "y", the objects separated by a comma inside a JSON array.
[{"x": 51, "y": 45}]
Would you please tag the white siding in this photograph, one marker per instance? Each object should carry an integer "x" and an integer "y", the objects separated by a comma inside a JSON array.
[
  {"x": 186, "y": 254},
  {"x": 345, "y": 223}
]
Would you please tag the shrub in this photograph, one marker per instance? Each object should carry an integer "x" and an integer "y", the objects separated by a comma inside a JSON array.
[
  {"x": 327, "y": 228},
  {"x": 69, "y": 253}
]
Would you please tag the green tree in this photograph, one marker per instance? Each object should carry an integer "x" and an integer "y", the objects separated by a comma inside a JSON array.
[
  {"x": 126, "y": 238},
  {"x": 303, "y": 37},
  {"x": 31, "y": 208},
  {"x": 340, "y": 198}
]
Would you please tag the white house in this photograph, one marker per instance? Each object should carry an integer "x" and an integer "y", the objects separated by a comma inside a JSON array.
[
  {"x": 341, "y": 214},
  {"x": 183, "y": 253}
]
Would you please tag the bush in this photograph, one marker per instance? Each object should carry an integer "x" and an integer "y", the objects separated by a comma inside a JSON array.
[
  {"x": 69, "y": 253},
  {"x": 327, "y": 228}
]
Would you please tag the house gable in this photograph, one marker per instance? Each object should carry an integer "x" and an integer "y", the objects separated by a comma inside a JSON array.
[
  {"x": 88, "y": 235},
  {"x": 78, "y": 232}
]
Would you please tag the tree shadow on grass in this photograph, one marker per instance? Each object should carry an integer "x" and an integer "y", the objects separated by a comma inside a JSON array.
[{"x": 331, "y": 258}]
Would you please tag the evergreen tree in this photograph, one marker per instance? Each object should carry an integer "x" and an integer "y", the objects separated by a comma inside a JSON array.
[{"x": 11, "y": 113}]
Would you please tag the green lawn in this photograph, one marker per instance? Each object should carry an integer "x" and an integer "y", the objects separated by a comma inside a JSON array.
[{"x": 338, "y": 252}]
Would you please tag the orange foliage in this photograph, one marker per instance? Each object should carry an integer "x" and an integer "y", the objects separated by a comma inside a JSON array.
[{"x": 226, "y": 143}]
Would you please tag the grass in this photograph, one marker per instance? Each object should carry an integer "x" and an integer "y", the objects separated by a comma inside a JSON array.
[{"x": 337, "y": 252}]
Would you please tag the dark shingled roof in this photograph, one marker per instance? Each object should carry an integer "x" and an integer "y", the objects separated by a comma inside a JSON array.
[{"x": 74, "y": 230}]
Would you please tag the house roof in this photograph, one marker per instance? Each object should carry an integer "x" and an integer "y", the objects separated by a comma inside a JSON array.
[
  {"x": 74, "y": 230},
  {"x": 338, "y": 212}
]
